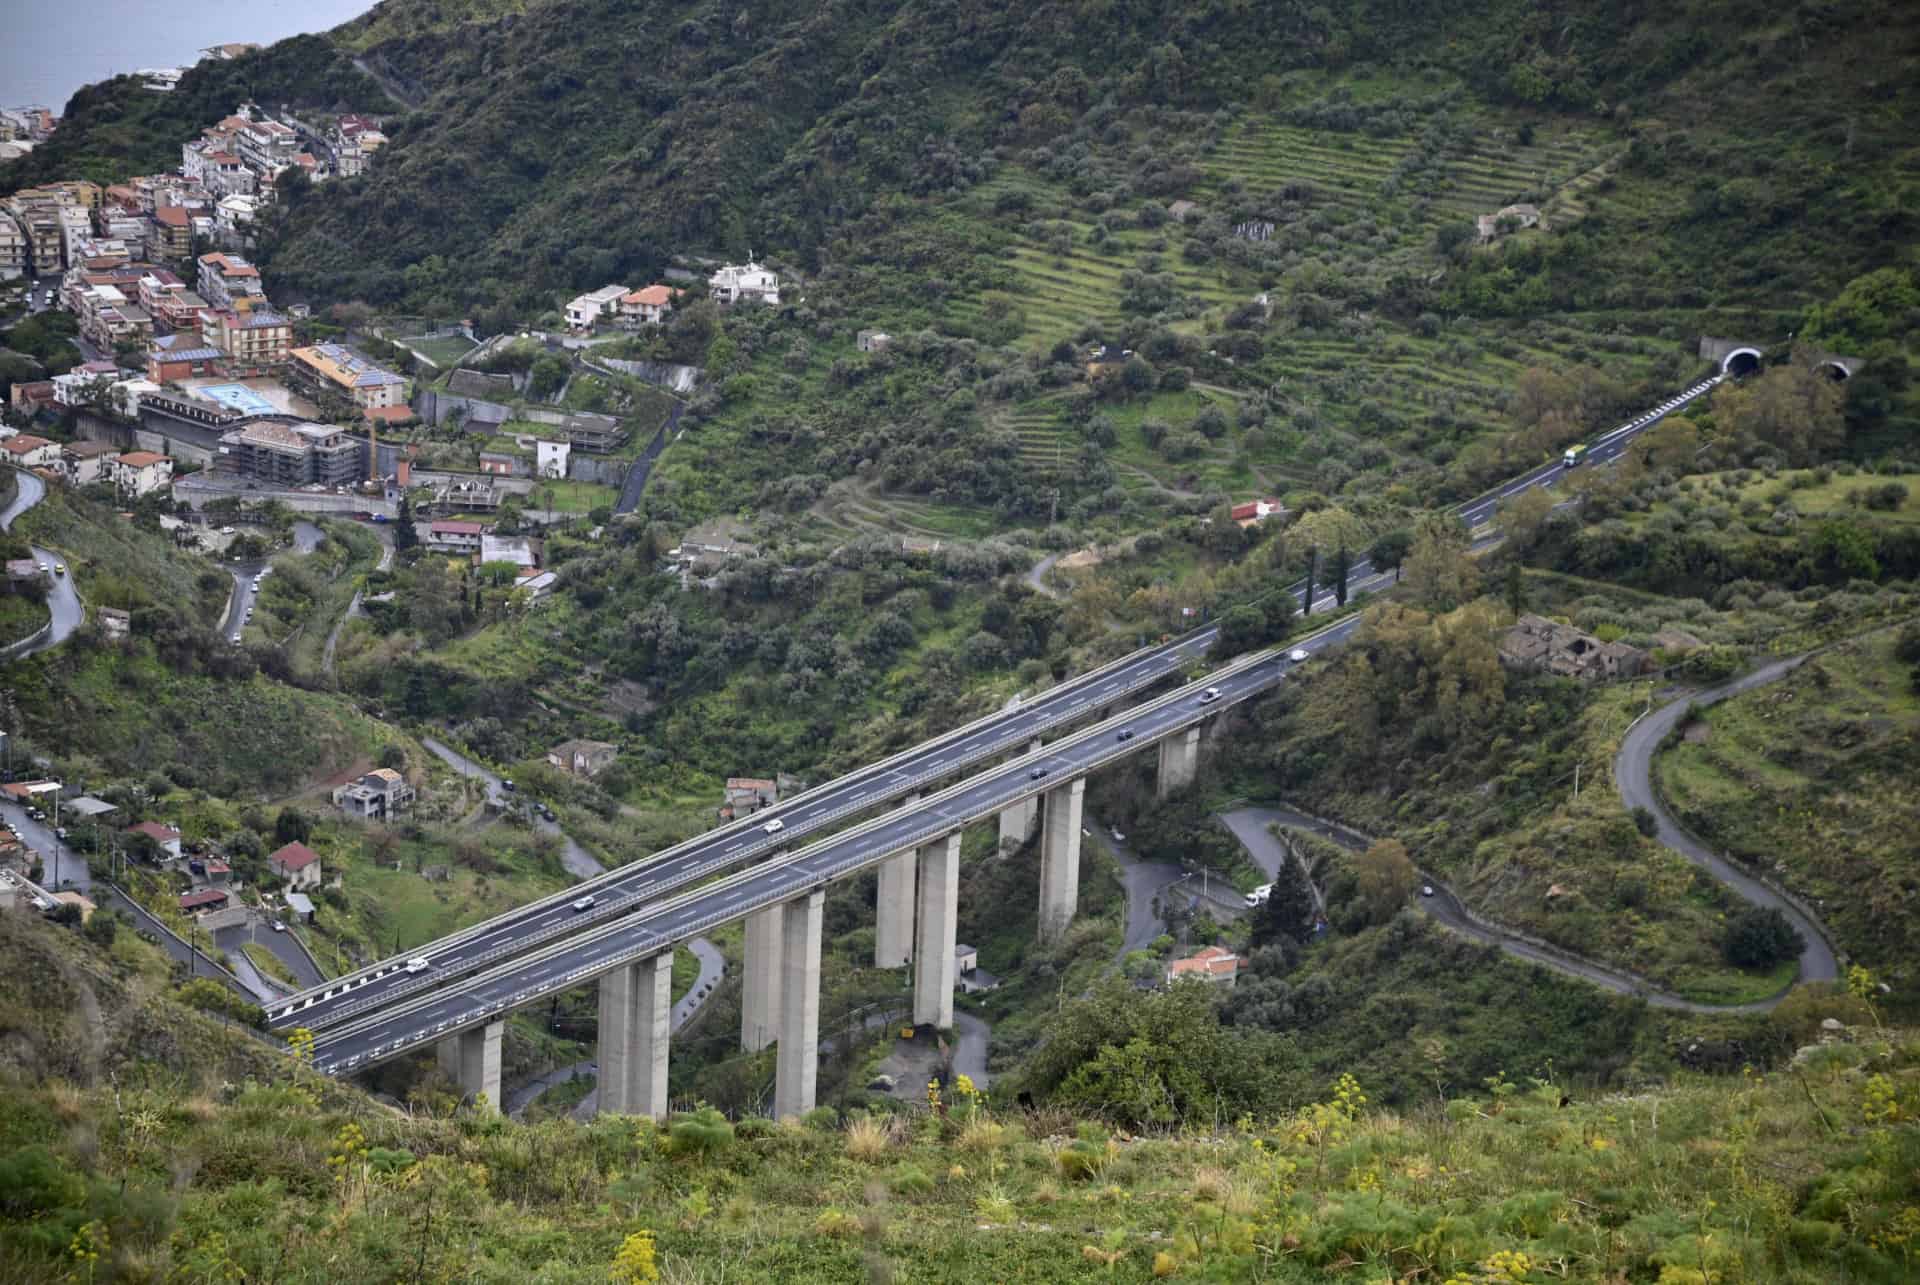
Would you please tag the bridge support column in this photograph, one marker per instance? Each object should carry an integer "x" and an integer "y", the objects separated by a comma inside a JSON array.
[
  {"x": 933, "y": 966},
  {"x": 760, "y": 980},
  {"x": 1179, "y": 761},
  {"x": 893, "y": 907},
  {"x": 798, "y": 1059},
  {"x": 1016, "y": 822},
  {"x": 472, "y": 1058},
  {"x": 636, "y": 1008},
  {"x": 1060, "y": 858},
  {"x": 893, "y": 923}
]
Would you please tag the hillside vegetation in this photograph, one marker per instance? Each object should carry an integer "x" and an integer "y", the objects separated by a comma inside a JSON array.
[{"x": 179, "y": 1149}]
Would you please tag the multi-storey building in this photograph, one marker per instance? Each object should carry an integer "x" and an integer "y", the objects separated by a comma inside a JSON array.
[
  {"x": 227, "y": 277},
  {"x": 294, "y": 453},
  {"x": 335, "y": 368},
  {"x": 251, "y": 340}
]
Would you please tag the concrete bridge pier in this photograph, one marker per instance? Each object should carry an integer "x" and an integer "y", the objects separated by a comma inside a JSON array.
[
  {"x": 797, "y": 1062},
  {"x": 472, "y": 1059},
  {"x": 1016, "y": 822},
  {"x": 1179, "y": 761},
  {"x": 636, "y": 1009},
  {"x": 760, "y": 980},
  {"x": 893, "y": 907},
  {"x": 934, "y": 975},
  {"x": 1060, "y": 858}
]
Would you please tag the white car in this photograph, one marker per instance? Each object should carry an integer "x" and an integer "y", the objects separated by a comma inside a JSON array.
[
  {"x": 1258, "y": 897},
  {"x": 279, "y": 926},
  {"x": 585, "y": 903},
  {"x": 1117, "y": 836},
  {"x": 1296, "y": 655},
  {"x": 418, "y": 964},
  {"x": 1209, "y": 696},
  {"x": 233, "y": 638},
  {"x": 1426, "y": 890},
  {"x": 774, "y": 826}
]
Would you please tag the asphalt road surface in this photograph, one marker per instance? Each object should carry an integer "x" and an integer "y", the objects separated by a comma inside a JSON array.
[
  {"x": 654, "y": 927},
  {"x": 744, "y": 841},
  {"x": 63, "y": 600},
  {"x": 1633, "y": 773}
]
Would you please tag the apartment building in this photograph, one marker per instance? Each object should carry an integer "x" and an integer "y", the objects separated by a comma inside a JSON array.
[
  {"x": 337, "y": 369},
  {"x": 294, "y": 453}
]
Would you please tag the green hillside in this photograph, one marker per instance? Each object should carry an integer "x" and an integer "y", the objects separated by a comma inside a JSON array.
[{"x": 145, "y": 1141}]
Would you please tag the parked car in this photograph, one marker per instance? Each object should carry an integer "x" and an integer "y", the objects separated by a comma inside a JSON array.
[{"x": 1258, "y": 897}]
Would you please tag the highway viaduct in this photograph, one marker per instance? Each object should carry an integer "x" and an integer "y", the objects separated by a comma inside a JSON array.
[{"x": 623, "y": 941}]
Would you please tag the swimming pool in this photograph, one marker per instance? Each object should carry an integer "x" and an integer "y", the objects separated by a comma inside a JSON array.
[{"x": 238, "y": 397}]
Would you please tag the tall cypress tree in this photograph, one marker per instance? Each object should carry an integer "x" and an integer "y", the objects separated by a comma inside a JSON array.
[
  {"x": 1313, "y": 570},
  {"x": 1340, "y": 564},
  {"x": 1290, "y": 909}
]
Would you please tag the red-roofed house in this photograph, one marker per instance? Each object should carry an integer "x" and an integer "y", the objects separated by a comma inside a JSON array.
[
  {"x": 139, "y": 472},
  {"x": 1209, "y": 964},
  {"x": 298, "y": 864},
  {"x": 647, "y": 306},
  {"x": 1255, "y": 511},
  {"x": 164, "y": 836},
  {"x": 25, "y": 450},
  {"x": 200, "y": 903}
]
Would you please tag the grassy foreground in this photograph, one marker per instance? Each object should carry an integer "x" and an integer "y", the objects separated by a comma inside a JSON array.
[{"x": 144, "y": 1142}]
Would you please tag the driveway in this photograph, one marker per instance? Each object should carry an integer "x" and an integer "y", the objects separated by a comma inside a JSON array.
[
  {"x": 579, "y": 863},
  {"x": 1633, "y": 773}
]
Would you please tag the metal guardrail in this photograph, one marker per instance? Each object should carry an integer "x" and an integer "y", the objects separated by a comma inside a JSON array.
[
  {"x": 751, "y": 830},
  {"x": 641, "y": 942}
]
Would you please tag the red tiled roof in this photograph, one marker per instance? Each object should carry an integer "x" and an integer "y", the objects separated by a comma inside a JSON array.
[
  {"x": 295, "y": 856},
  {"x": 205, "y": 897},
  {"x": 155, "y": 831},
  {"x": 172, "y": 215},
  {"x": 140, "y": 459}
]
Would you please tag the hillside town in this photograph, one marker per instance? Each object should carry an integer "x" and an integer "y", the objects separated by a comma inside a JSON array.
[{"x": 192, "y": 384}]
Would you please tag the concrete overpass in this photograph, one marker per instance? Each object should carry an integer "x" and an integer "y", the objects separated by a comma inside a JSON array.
[
  {"x": 617, "y": 892},
  {"x": 479, "y": 974},
  {"x": 630, "y": 958}
]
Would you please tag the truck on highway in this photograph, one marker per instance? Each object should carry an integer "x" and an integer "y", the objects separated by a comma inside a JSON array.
[{"x": 1573, "y": 455}]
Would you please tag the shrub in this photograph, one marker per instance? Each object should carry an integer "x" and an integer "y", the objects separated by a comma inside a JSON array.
[
  {"x": 867, "y": 1140},
  {"x": 703, "y": 1134},
  {"x": 1646, "y": 822},
  {"x": 1760, "y": 938}
]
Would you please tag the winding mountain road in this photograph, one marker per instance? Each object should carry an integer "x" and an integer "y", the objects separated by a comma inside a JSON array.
[
  {"x": 64, "y": 609},
  {"x": 1633, "y": 775},
  {"x": 1633, "y": 772}
]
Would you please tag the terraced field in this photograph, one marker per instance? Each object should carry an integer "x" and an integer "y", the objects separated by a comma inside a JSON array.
[{"x": 1066, "y": 289}]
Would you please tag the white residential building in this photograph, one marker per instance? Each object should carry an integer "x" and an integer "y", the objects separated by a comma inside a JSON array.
[
  {"x": 585, "y": 312},
  {"x": 550, "y": 458},
  {"x": 748, "y": 283},
  {"x": 139, "y": 472}
]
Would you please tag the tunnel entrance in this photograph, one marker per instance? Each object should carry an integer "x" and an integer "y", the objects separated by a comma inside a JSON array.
[
  {"x": 1835, "y": 371},
  {"x": 1741, "y": 361}
]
